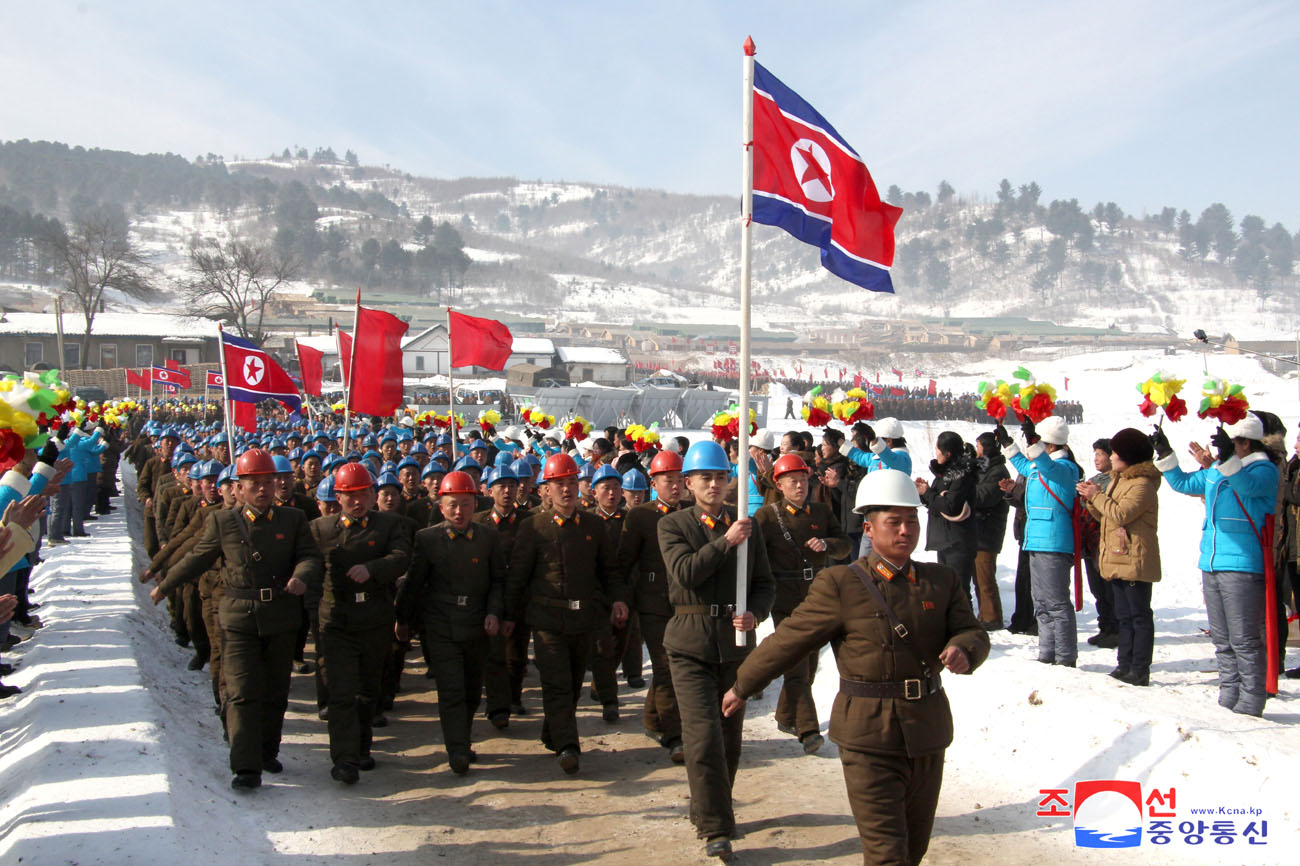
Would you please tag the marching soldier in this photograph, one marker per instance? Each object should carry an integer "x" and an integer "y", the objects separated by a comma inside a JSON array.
[
  {"x": 699, "y": 550},
  {"x": 897, "y": 623},
  {"x": 507, "y": 658},
  {"x": 800, "y": 537},
  {"x": 155, "y": 469},
  {"x": 562, "y": 579},
  {"x": 365, "y": 552},
  {"x": 640, "y": 560},
  {"x": 456, "y": 587},
  {"x": 268, "y": 557},
  {"x": 608, "y": 643}
]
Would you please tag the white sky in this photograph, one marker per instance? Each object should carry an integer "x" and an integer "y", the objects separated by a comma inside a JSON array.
[{"x": 1146, "y": 104}]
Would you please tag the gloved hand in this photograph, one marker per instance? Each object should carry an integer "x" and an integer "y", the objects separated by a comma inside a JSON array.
[
  {"x": 49, "y": 454},
  {"x": 64, "y": 430},
  {"x": 1002, "y": 436},
  {"x": 1160, "y": 442},
  {"x": 1222, "y": 443},
  {"x": 1027, "y": 428}
]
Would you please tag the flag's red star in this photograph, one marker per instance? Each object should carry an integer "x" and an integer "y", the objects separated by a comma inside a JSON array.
[{"x": 814, "y": 168}]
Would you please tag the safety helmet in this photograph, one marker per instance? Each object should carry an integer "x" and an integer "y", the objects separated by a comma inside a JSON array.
[
  {"x": 886, "y": 488},
  {"x": 788, "y": 463},
  {"x": 478, "y": 445},
  {"x": 408, "y": 462},
  {"x": 466, "y": 464},
  {"x": 634, "y": 480},
  {"x": 325, "y": 490},
  {"x": 435, "y": 467},
  {"x": 388, "y": 479},
  {"x": 372, "y": 455},
  {"x": 585, "y": 471},
  {"x": 196, "y": 470},
  {"x": 388, "y": 466},
  {"x": 606, "y": 473},
  {"x": 255, "y": 461},
  {"x": 311, "y": 454},
  {"x": 498, "y": 474},
  {"x": 212, "y": 468},
  {"x": 295, "y": 454},
  {"x": 559, "y": 466},
  {"x": 227, "y": 474},
  {"x": 282, "y": 465},
  {"x": 706, "y": 456},
  {"x": 351, "y": 477},
  {"x": 504, "y": 458},
  {"x": 522, "y": 469},
  {"x": 457, "y": 482},
  {"x": 443, "y": 439},
  {"x": 182, "y": 459},
  {"x": 666, "y": 461}
]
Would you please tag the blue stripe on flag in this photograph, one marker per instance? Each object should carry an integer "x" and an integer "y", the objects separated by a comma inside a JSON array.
[
  {"x": 771, "y": 210},
  {"x": 794, "y": 104},
  {"x": 873, "y": 278}
]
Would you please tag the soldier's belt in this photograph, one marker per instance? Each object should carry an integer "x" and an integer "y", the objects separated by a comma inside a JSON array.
[
  {"x": 458, "y": 600},
  {"x": 718, "y": 611},
  {"x": 649, "y": 576},
  {"x": 566, "y": 603},
  {"x": 909, "y": 690},
  {"x": 265, "y": 593},
  {"x": 801, "y": 574}
]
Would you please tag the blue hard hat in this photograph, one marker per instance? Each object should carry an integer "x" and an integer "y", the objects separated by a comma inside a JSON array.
[
  {"x": 227, "y": 474},
  {"x": 371, "y": 455},
  {"x": 322, "y": 437},
  {"x": 212, "y": 468},
  {"x": 585, "y": 471},
  {"x": 388, "y": 479},
  {"x": 495, "y": 474},
  {"x": 605, "y": 473},
  {"x": 294, "y": 454},
  {"x": 442, "y": 458},
  {"x": 354, "y": 457},
  {"x": 218, "y": 439},
  {"x": 196, "y": 470},
  {"x": 388, "y": 466},
  {"x": 434, "y": 467},
  {"x": 504, "y": 458},
  {"x": 327, "y": 465},
  {"x": 183, "y": 458},
  {"x": 522, "y": 469},
  {"x": 420, "y": 449},
  {"x": 186, "y": 447},
  {"x": 443, "y": 439},
  {"x": 388, "y": 437},
  {"x": 533, "y": 460},
  {"x": 705, "y": 456},
  {"x": 467, "y": 462},
  {"x": 635, "y": 481},
  {"x": 408, "y": 461},
  {"x": 478, "y": 445},
  {"x": 325, "y": 490},
  {"x": 282, "y": 465},
  {"x": 370, "y": 441},
  {"x": 405, "y": 435},
  {"x": 310, "y": 454}
]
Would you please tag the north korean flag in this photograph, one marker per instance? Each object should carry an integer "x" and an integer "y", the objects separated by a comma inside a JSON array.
[
  {"x": 254, "y": 375},
  {"x": 177, "y": 378},
  {"x": 215, "y": 380},
  {"x": 810, "y": 182}
]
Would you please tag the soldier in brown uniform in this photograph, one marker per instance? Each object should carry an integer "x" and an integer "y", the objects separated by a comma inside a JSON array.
[
  {"x": 563, "y": 569},
  {"x": 365, "y": 552},
  {"x": 608, "y": 643},
  {"x": 507, "y": 658},
  {"x": 268, "y": 557},
  {"x": 641, "y": 562},
  {"x": 894, "y": 623},
  {"x": 456, "y": 587},
  {"x": 699, "y": 550},
  {"x": 800, "y": 537},
  {"x": 155, "y": 468},
  {"x": 168, "y": 491}
]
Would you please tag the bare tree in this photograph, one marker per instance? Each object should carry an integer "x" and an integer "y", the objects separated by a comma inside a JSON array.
[
  {"x": 235, "y": 281},
  {"x": 99, "y": 255}
]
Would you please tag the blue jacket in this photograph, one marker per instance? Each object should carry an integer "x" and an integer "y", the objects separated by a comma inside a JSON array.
[
  {"x": 755, "y": 495},
  {"x": 889, "y": 458},
  {"x": 1228, "y": 543},
  {"x": 1049, "y": 524},
  {"x": 82, "y": 451},
  {"x": 14, "y": 486}
]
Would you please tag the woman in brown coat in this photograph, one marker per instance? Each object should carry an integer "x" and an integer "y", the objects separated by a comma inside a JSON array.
[{"x": 1129, "y": 552}]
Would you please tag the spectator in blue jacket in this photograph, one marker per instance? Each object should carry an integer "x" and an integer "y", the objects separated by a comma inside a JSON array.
[
  {"x": 1240, "y": 491},
  {"x": 881, "y": 448},
  {"x": 1050, "y": 477}
]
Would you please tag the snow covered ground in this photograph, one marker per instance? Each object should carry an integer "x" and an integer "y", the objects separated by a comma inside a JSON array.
[{"x": 111, "y": 754}]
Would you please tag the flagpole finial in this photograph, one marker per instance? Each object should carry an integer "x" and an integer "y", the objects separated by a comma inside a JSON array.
[{"x": 750, "y": 50}]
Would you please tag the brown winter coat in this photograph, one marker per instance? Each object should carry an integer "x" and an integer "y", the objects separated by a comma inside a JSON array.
[{"x": 1127, "y": 510}]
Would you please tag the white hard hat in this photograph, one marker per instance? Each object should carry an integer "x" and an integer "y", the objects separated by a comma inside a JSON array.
[
  {"x": 407, "y": 421},
  {"x": 763, "y": 439},
  {"x": 1249, "y": 427},
  {"x": 889, "y": 428},
  {"x": 886, "y": 488},
  {"x": 1053, "y": 429},
  {"x": 511, "y": 432}
]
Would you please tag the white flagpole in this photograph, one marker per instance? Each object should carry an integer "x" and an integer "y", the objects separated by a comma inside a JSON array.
[
  {"x": 451, "y": 391},
  {"x": 151, "y": 392},
  {"x": 352, "y": 367},
  {"x": 225, "y": 395},
  {"x": 747, "y": 212}
]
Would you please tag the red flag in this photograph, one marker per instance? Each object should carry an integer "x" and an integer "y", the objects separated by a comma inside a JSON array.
[
  {"x": 1067, "y": 383},
  {"x": 310, "y": 366},
  {"x": 378, "y": 361},
  {"x": 140, "y": 380},
  {"x": 215, "y": 379},
  {"x": 478, "y": 342},
  {"x": 245, "y": 416},
  {"x": 857, "y": 380},
  {"x": 934, "y": 388},
  {"x": 344, "y": 340},
  {"x": 897, "y": 372},
  {"x": 178, "y": 378}
]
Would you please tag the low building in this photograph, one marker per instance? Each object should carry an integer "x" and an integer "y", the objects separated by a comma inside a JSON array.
[
  {"x": 594, "y": 364},
  {"x": 29, "y": 341}
]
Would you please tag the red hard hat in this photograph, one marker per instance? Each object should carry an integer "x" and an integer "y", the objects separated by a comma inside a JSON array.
[
  {"x": 351, "y": 477},
  {"x": 255, "y": 461},
  {"x": 788, "y": 463},
  {"x": 457, "y": 482},
  {"x": 559, "y": 466},
  {"x": 666, "y": 461}
]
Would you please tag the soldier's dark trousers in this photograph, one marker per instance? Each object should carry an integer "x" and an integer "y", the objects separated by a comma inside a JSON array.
[
  {"x": 712, "y": 742},
  {"x": 458, "y": 668},
  {"x": 176, "y": 611},
  {"x": 661, "y": 715},
  {"x": 562, "y": 666},
  {"x": 257, "y": 671},
  {"x": 503, "y": 675},
  {"x": 150, "y": 533},
  {"x": 356, "y": 663},
  {"x": 321, "y": 677},
  {"x": 633, "y": 660},
  {"x": 893, "y": 798},
  {"x": 394, "y": 664},
  {"x": 212, "y": 623},
  {"x": 607, "y": 647},
  {"x": 195, "y": 626},
  {"x": 795, "y": 707}
]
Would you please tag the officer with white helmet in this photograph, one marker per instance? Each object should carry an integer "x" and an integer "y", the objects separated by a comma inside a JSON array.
[{"x": 897, "y": 624}]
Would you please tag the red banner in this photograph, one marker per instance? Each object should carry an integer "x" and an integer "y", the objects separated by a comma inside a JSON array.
[{"x": 310, "y": 366}]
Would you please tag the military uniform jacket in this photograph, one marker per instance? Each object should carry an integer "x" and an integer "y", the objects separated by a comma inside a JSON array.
[
  {"x": 304, "y": 503},
  {"x": 793, "y": 564},
  {"x": 185, "y": 523},
  {"x": 378, "y": 541},
  {"x": 154, "y": 468},
  {"x": 639, "y": 559},
  {"x": 928, "y": 600},
  {"x": 702, "y": 571},
  {"x": 507, "y": 527},
  {"x": 254, "y": 576},
  {"x": 565, "y": 569},
  {"x": 423, "y": 512},
  {"x": 456, "y": 580},
  {"x": 613, "y": 524},
  {"x": 165, "y": 500}
]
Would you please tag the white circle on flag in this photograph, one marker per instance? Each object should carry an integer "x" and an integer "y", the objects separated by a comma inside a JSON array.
[
  {"x": 254, "y": 370},
  {"x": 812, "y": 169}
]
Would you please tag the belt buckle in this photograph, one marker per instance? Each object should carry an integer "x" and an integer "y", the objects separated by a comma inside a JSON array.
[
  {"x": 360, "y": 597},
  {"x": 650, "y": 576},
  {"x": 807, "y": 574},
  {"x": 265, "y": 594},
  {"x": 912, "y": 690},
  {"x": 462, "y": 601},
  {"x": 575, "y": 604},
  {"x": 901, "y": 630},
  {"x": 713, "y": 610}
]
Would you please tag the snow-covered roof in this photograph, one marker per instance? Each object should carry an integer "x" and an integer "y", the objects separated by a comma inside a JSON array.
[
  {"x": 154, "y": 325},
  {"x": 590, "y": 355},
  {"x": 322, "y": 343},
  {"x": 532, "y": 346}
]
